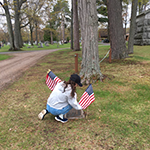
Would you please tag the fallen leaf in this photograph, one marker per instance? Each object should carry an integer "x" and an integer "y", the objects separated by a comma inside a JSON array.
[
  {"x": 99, "y": 110},
  {"x": 141, "y": 76}
]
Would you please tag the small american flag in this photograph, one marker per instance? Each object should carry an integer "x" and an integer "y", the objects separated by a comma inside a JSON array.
[
  {"x": 52, "y": 80},
  {"x": 87, "y": 98}
]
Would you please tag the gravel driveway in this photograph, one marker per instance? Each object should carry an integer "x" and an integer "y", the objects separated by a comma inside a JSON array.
[{"x": 12, "y": 68}]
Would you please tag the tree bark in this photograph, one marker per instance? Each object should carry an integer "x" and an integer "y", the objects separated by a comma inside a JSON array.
[
  {"x": 17, "y": 24},
  {"x": 20, "y": 37},
  {"x": 31, "y": 33},
  {"x": 9, "y": 25},
  {"x": 90, "y": 68},
  {"x": 71, "y": 25},
  {"x": 36, "y": 33},
  {"x": 75, "y": 26},
  {"x": 132, "y": 26},
  {"x": 116, "y": 33}
]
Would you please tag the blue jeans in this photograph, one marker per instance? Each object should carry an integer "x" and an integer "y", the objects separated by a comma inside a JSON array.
[{"x": 58, "y": 111}]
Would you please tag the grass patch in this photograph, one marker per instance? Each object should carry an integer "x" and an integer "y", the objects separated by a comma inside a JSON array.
[
  {"x": 35, "y": 47},
  {"x": 3, "y": 57},
  {"x": 118, "y": 119},
  {"x": 141, "y": 58}
]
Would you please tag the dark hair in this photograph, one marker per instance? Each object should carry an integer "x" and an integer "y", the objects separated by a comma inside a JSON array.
[{"x": 73, "y": 87}]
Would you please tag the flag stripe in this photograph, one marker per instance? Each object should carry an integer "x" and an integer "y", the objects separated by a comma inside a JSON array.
[
  {"x": 50, "y": 83},
  {"x": 87, "y": 98},
  {"x": 57, "y": 79},
  {"x": 84, "y": 96},
  {"x": 84, "y": 99},
  {"x": 91, "y": 100},
  {"x": 52, "y": 80},
  {"x": 87, "y": 102}
]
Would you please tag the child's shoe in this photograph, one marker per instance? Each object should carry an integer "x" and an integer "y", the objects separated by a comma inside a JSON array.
[
  {"x": 64, "y": 120},
  {"x": 42, "y": 114}
]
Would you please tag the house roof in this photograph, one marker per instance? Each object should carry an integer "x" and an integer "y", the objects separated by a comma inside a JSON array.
[{"x": 143, "y": 13}]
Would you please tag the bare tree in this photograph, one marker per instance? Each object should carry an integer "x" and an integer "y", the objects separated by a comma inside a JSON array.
[
  {"x": 33, "y": 13},
  {"x": 9, "y": 25},
  {"x": 37, "y": 21},
  {"x": 90, "y": 68},
  {"x": 62, "y": 11}
]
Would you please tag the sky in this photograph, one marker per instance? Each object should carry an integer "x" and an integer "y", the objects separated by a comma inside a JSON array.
[{"x": 69, "y": 2}]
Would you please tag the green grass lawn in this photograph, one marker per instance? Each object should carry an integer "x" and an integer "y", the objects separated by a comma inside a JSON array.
[
  {"x": 3, "y": 57},
  {"x": 118, "y": 119},
  {"x": 25, "y": 48}
]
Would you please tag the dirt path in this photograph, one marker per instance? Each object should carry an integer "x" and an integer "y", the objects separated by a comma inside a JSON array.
[{"x": 12, "y": 68}]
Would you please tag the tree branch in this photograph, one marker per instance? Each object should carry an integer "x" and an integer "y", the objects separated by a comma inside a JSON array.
[
  {"x": 2, "y": 14},
  {"x": 24, "y": 25},
  {"x": 2, "y": 5},
  {"x": 21, "y": 2}
]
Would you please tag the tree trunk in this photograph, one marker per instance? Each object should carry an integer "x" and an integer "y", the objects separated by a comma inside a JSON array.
[
  {"x": 9, "y": 25},
  {"x": 36, "y": 33},
  {"x": 71, "y": 25},
  {"x": 20, "y": 37},
  {"x": 51, "y": 37},
  {"x": 116, "y": 32},
  {"x": 10, "y": 32},
  {"x": 75, "y": 26},
  {"x": 63, "y": 30},
  {"x": 90, "y": 68},
  {"x": 132, "y": 26},
  {"x": 31, "y": 33},
  {"x": 17, "y": 24}
]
